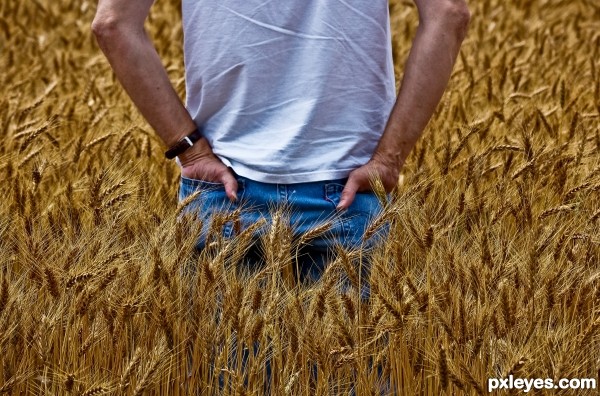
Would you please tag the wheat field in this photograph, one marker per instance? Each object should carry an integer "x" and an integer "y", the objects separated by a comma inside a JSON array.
[{"x": 491, "y": 267}]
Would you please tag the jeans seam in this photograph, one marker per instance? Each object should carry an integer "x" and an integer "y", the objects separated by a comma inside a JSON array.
[{"x": 343, "y": 221}]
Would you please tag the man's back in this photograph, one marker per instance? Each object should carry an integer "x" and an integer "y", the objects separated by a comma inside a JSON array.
[{"x": 289, "y": 91}]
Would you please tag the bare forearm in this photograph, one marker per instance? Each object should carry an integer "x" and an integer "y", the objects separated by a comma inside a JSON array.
[
  {"x": 426, "y": 75},
  {"x": 119, "y": 29},
  {"x": 140, "y": 71}
]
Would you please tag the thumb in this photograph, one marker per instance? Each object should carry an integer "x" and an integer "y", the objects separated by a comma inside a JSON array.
[
  {"x": 230, "y": 184},
  {"x": 348, "y": 193}
]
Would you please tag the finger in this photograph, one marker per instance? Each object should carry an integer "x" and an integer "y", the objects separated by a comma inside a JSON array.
[
  {"x": 231, "y": 185},
  {"x": 348, "y": 193}
]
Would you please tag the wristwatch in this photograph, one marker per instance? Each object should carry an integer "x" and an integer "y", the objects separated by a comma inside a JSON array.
[{"x": 185, "y": 143}]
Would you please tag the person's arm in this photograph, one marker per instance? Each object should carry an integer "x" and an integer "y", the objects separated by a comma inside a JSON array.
[
  {"x": 442, "y": 28},
  {"x": 119, "y": 30}
]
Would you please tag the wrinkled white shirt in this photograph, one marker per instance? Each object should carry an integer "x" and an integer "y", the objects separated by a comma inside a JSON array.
[{"x": 289, "y": 91}]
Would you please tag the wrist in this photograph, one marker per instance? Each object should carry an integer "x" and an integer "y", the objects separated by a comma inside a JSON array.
[
  {"x": 200, "y": 149},
  {"x": 183, "y": 144},
  {"x": 389, "y": 158}
]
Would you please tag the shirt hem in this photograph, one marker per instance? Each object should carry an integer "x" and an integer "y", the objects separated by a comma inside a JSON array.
[{"x": 289, "y": 178}]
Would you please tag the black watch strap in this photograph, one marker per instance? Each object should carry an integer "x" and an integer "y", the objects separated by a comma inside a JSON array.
[{"x": 185, "y": 143}]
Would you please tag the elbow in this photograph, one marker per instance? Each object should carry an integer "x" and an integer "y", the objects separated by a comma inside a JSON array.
[
  {"x": 450, "y": 15},
  {"x": 103, "y": 28},
  {"x": 458, "y": 16},
  {"x": 108, "y": 31}
]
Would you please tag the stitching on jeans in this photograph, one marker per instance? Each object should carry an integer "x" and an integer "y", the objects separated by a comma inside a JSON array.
[{"x": 334, "y": 188}]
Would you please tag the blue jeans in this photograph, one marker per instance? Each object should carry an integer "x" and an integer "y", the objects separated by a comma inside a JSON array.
[{"x": 311, "y": 204}]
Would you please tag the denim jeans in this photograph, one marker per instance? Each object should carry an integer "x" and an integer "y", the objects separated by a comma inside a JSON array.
[{"x": 310, "y": 205}]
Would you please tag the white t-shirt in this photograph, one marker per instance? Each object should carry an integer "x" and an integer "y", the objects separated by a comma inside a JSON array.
[{"x": 289, "y": 91}]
